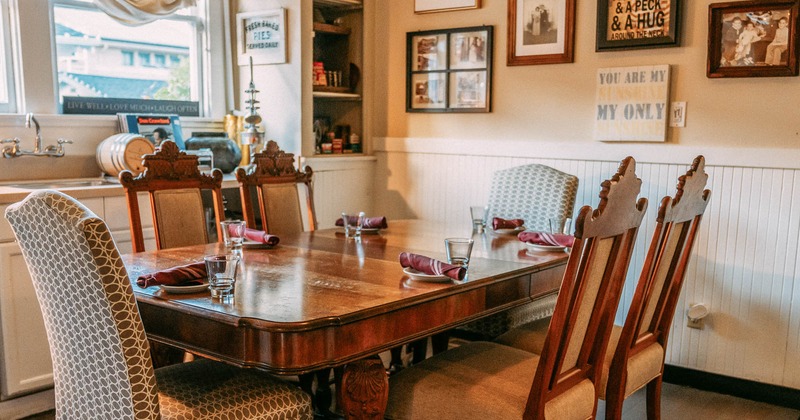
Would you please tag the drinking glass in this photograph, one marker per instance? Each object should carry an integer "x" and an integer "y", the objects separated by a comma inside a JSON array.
[
  {"x": 353, "y": 224},
  {"x": 221, "y": 270},
  {"x": 233, "y": 233},
  {"x": 479, "y": 215},
  {"x": 560, "y": 225},
  {"x": 458, "y": 250}
]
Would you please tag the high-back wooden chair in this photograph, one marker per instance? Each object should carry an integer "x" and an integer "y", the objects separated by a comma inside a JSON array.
[
  {"x": 636, "y": 350},
  {"x": 101, "y": 363},
  {"x": 496, "y": 381},
  {"x": 279, "y": 187},
  {"x": 174, "y": 184}
]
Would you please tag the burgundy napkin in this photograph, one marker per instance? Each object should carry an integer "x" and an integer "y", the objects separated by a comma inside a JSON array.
[
  {"x": 259, "y": 236},
  {"x": 431, "y": 266},
  {"x": 183, "y": 275},
  {"x": 369, "y": 222},
  {"x": 500, "y": 223},
  {"x": 548, "y": 239}
]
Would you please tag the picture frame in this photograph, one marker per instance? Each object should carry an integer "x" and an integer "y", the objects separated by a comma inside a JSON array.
[
  {"x": 262, "y": 36},
  {"x": 449, "y": 70},
  {"x": 540, "y": 32},
  {"x": 753, "y": 39},
  {"x": 628, "y": 24},
  {"x": 431, "y": 6}
]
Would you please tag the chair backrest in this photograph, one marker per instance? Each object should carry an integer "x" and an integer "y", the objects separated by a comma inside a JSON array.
[
  {"x": 572, "y": 356},
  {"x": 101, "y": 359},
  {"x": 174, "y": 183},
  {"x": 659, "y": 287},
  {"x": 279, "y": 187},
  {"x": 534, "y": 193}
]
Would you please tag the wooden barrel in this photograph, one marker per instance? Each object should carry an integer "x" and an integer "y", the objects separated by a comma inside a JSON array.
[{"x": 123, "y": 151}]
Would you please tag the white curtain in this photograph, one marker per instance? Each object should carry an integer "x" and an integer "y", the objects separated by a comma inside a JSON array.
[{"x": 139, "y": 12}]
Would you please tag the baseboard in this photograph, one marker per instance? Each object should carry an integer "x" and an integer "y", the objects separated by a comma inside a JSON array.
[{"x": 743, "y": 388}]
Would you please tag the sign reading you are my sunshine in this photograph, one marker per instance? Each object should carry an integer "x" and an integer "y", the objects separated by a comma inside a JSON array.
[
  {"x": 262, "y": 36},
  {"x": 632, "y": 103}
]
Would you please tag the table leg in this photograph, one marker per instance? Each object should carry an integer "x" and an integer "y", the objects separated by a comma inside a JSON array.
[{"x": 363, "y": 389}]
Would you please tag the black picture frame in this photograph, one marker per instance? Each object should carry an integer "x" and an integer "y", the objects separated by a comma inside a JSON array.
[
  {"x": 626, "y": 25},
  {"x": 753, "y": 47},
  {"x": 449, "y": 70}
]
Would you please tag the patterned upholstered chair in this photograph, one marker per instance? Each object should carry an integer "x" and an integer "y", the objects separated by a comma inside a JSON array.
[
  {"x": 635, "y": 356},
  {"x": 174, "y": 183},
  {"x": 279, "y": 187},
  {"x": 100, "y": 353},
  {"x": 535, "y": 193},
  {"x": 484, "y": 380}
]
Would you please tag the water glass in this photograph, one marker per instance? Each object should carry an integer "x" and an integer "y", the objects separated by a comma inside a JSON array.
[
  {"x": 353, "y": 224},
  {"x": 479, "y": 215},
  {"x": 458, "y": 250},
  {"x": 221, "y": 270},
  {"x": 233, "y": 233},
  {"x": 560, "y": 225}
]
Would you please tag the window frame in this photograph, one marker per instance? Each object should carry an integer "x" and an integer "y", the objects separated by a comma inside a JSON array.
[{"x": 8, "y": 41}]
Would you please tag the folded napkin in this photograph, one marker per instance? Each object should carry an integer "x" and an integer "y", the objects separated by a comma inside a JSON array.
[
  {"x": 259, "y": 236},
  {"x": 183, "y": 275},
  {"x": 369, "y": 222},
  {"x": 500, "y": 223},
  {"x": 548, "y": 239},
  {"x": 431, "y": 266}
]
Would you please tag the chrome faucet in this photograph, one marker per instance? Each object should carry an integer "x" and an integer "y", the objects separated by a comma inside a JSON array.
[{"x": 52, "y": 151}]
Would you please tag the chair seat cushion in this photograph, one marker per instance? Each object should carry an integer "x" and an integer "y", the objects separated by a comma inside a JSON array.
[{"x": 207, "y": 389}]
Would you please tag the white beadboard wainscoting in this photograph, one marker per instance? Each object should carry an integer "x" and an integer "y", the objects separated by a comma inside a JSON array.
[
  {"x": 341, "y": 183},
  {"x": 746, "y": 263}
]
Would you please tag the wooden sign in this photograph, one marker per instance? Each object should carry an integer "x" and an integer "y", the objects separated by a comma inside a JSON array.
[{"x": 262, "y": 36}]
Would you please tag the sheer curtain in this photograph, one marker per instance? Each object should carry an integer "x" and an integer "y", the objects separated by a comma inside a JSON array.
[{"x": 139, "y": 12}]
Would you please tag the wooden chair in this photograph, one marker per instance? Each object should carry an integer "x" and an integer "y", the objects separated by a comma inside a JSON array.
[
  {"x": 174, "y": 184},
  {"x": 278, "y": 187},
  {"x": 636, "y": 350},
  {"x": 481, "y": 380},
  {"x": 101, "y": 362}
]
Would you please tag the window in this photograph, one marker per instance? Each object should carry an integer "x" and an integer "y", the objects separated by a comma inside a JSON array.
[
  {"x": 7, "y": 90},
  {"x": 98, "y": 57}
]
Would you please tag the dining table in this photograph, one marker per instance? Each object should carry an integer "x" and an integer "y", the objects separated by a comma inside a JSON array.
[{"x": 321, "y": 300}]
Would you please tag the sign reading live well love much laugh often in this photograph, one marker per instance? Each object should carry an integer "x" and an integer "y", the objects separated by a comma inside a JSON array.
[
  {"x": 632, "y": 103},
  {"x": 262, "y": 37},
  {"x": 637, "y": 19}
]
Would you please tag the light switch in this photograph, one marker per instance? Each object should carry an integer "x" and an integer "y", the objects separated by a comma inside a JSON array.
[{"x": 677, "y": 116}]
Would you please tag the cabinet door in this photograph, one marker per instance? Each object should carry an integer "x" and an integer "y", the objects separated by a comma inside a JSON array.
[{"x": 26, "y": 363}]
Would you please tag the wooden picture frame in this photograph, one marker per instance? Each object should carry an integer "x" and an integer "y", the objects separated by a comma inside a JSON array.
[
  {"x": 262, "y": 36},
  {"x": 627, "y": 25},
  {"x": 753, "y": 39},
  {"x": 431, "y": 6},
  {"x": 540, "y": 32},
  {"x": 449, "y": 70}
]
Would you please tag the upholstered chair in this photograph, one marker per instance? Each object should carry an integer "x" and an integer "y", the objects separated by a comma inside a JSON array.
[
  {"x": 285, "y": 196},
  {"x": 635, "y": 357},
  {"x": 174, "y": 184},
  {"x": 484, "y": 380},
  {"x": 101, "y": 363}
]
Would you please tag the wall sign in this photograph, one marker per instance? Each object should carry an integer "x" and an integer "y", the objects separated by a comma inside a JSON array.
[
  {"x": 261, "y": 35},
  {"x": 630, "y": 24},
  {"x": 632, "y": 103}
]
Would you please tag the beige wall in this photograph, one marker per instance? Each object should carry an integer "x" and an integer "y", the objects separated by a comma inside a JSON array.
[{"x": 556, "y": 102}]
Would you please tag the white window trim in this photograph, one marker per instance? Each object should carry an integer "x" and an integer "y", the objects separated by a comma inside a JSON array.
[{"x": 11, "y": 57}]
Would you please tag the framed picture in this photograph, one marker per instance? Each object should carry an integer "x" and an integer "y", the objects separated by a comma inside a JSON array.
[
  {"x": 632, "y": 24},
  {"x": 540, "y": 31},
  {"x": 429, "y": 6},
  {"x": 262, "y": 36},
  {"x": 753, "y": 39},
  {"x": 449, "y": 70}
]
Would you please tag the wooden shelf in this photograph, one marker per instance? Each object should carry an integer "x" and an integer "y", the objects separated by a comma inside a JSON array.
[
  {"x": 333, "y": 89},
  {"x": 331, "y": 29},
  {"x": 336, "y": 95}
]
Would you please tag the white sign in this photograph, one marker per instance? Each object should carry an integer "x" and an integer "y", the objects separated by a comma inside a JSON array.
[
  {"x": 262, "y": 36},
  {"x": 632, "y": 103}
]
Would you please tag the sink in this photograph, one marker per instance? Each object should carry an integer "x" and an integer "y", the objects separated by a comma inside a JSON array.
[{"x": 60, "y": 184}]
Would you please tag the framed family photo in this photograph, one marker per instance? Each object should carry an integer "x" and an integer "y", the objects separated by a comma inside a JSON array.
[
  {"x": 753, "y": 39},
  {"x": 540, "y": 32},
  {"x": 632, "y": 24},
  {"x": 449, "y": 70}
]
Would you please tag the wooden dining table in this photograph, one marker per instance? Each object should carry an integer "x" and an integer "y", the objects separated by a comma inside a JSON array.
[{"x": 321, "y": 300}]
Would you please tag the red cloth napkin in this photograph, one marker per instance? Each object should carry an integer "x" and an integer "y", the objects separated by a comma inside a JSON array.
[
  {"x": 183, "y": 275},
  {"x": 548, "y": 239},
  {"x": 431, "y": 266},
  {"x": 500, "y": 223},
  {"x": 259, "y": 236},
  {"x": 369, "y": 222}
]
